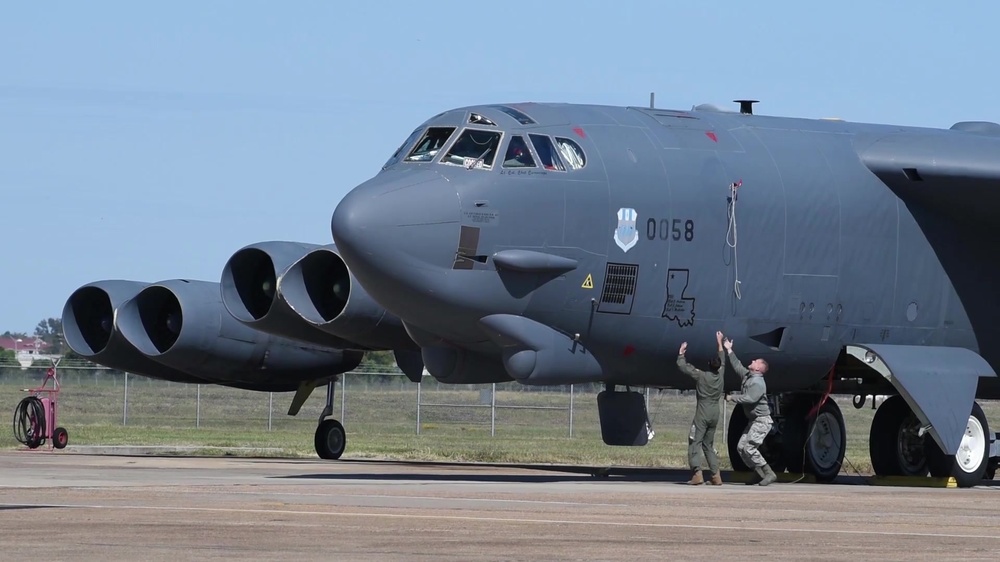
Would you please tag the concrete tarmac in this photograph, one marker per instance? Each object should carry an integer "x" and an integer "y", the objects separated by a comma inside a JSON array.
[{"x": 60, "y": 506}]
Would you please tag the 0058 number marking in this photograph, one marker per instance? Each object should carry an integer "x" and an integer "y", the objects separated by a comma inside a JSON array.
[{"x": 664, "y": 229}]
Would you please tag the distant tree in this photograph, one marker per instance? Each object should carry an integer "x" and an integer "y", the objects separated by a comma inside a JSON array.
[
  {"x": 50, "y": 331},
  {"x": 7, "y": 356},
  {"x": 379, "y": 359},
  {"x": 14, "y": 335}
]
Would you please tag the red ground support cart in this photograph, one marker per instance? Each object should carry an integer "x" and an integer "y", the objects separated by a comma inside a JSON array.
[{"x": 35, "y": 415}]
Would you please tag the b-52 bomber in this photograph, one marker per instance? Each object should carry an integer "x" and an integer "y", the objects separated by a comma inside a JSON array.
[{"x": 555, "y": 244}]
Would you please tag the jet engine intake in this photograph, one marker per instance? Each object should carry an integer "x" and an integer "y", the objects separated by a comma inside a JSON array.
[
  {"x": 250, "y": 292},
  {"x": 322, "y": 290},
  {"x": 90, "y": 330}
]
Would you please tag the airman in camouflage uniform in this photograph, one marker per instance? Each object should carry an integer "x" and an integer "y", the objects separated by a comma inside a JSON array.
[{"x": 754, "y": 401}]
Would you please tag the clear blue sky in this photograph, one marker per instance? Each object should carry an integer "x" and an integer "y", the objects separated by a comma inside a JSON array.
[{"x": 151, "y": 142}]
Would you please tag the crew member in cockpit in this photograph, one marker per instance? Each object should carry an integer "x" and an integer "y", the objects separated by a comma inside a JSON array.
[{"x": 518, "y": 155}]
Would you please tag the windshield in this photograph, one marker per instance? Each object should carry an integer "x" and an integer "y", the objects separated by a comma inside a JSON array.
[
  {"x": 546, "y": 152},
  {"x": 395, "y": 155},
  {"x": 430, "y": 144},
  {"x": 518, "y": 155},
  {"x": 474, "y": 149}
]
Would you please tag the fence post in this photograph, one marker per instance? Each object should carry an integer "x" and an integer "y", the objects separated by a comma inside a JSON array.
[
  {"x": 125, "y": 403},
  {"x": 343, "y": 397},
  {"x": 197, "y": 410},
  {"x": 571, "y": 411},
  {"x": 493, "y": 411},
  {"x": 418, "y": 408},
  {"x": 270, "y": 408},
  {"x": 725, "y": 423}
]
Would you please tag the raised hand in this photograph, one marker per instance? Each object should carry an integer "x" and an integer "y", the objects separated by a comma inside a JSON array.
[
  {"x": 728, "y": 344},
  {"x": 684, "y": 347}
]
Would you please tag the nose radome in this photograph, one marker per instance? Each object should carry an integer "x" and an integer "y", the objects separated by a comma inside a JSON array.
[{"x": 395, "y": 220}]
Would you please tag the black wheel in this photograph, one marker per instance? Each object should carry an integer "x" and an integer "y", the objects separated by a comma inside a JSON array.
[
  {"x": 770, "y": 449},
  {"x": 60, "y": 438},
  {"x": 991, "y": 469},
  {"x": 815, "y": 446},
  {"x": 894, "y": 444},
  {"x": 968, "y": 465},
  {"x": 331, "y": 440}
]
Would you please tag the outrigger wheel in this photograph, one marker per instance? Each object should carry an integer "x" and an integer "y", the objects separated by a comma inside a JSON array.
[{"x": 331, "y": 439}]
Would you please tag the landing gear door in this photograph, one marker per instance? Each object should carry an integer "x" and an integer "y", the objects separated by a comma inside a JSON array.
[{"x": 938, "y": 383}]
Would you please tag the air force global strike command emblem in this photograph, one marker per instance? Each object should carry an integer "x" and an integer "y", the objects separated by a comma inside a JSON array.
[{"x": 626, "y": 235}]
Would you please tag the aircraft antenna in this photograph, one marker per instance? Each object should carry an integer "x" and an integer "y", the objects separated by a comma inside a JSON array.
[
  {"x": 746, "y": 106},
  {"x": 652, "y": 95}
]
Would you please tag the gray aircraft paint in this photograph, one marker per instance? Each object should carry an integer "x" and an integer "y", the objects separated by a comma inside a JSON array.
[
  {"x": 91, "y": 330},
  {"x": 206, "y": 341},
  {"x": 834, "y": 244}
]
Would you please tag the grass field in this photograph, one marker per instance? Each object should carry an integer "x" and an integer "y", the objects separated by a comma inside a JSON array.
[{"x": 381, "y": 420}]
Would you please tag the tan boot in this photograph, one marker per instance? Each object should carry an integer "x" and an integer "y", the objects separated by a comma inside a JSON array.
[
  {"x": 697, "y": 478},
  {"x": 768, "y": 475},
  {"x": 717, "y": 479}
]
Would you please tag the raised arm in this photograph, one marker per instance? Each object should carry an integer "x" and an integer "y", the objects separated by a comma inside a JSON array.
[
  {"x": 737, "y": 366},
  {"x": 684, "y": 366}
]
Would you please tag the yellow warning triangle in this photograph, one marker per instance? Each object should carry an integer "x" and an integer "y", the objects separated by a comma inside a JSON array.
[{"x": 588, "y": 283}]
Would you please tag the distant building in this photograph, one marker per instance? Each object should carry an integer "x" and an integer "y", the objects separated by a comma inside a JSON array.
[
  {"x": 29, "y": 344},
  {"x": 26, "y": 350}
]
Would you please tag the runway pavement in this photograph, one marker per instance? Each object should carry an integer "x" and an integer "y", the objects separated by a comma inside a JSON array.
[{"x": 86, "y": 507}]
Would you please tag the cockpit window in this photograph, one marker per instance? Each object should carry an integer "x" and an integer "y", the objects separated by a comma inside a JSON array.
[
  {"x": 571, "y": 153},
  {"x": 430, "y": 144},
  {"x": 547, "y": 152},
  {"x": 477, "y": 119},
  {"x": 474, "y": 149},
  {"x": 395, "y": 155},
  {"x": 518, "y": 155}
]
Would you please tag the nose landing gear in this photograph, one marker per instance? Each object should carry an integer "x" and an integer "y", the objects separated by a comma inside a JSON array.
[{"x": 331, "y": 438}]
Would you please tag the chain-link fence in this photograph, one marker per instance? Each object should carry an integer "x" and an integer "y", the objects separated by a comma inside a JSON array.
[{"x": 384, "y": 413}]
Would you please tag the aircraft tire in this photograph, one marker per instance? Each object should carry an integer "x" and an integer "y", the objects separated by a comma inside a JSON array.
[
  {"x": 737, "y": 422},
  {"x": 330, "y": 440},
  {"x": 968, "y": 466},
  {"x": 815, "y": 446},
  {"x": 893, "y": 445}
]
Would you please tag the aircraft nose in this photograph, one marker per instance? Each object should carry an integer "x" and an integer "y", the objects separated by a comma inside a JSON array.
[{"x": 397, "y": 222}]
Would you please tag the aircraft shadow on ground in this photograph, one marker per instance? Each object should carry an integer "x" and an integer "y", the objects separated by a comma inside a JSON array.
[{"x": 452, "y": 472}]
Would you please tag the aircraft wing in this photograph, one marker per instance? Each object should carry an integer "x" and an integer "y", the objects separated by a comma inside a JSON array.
[{"x": 954, "y": 174}]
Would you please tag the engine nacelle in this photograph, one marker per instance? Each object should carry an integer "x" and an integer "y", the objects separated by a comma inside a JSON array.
[
  {"x": 322, "y": 290},
  {"x": 90, "y": 330},
  {"x": 183, "y": 324},
  {"x": 250, "y": 292}
]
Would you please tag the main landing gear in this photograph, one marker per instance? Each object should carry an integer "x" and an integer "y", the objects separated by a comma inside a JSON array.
[
  {"x": 899, "y": 446},
  {"x": 330, "y": 439},
  {"x": 809, "y": 437}
]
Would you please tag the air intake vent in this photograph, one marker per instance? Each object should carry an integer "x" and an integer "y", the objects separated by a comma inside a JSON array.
[{"x": 618, "y": 288}]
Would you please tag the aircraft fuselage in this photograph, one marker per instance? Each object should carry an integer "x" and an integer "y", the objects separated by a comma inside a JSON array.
[{"x": 816, "y": 252}]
